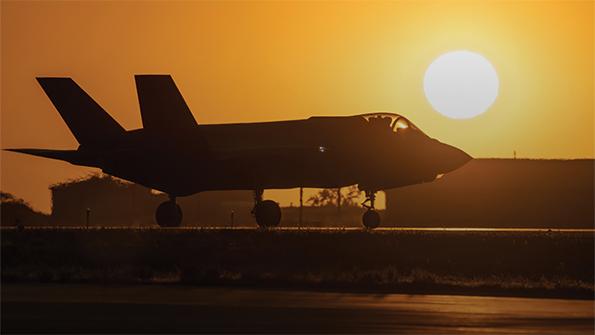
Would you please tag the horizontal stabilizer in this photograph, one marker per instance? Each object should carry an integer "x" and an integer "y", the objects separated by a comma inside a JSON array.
[
  {"x": 70, "y": 156},
  {"x": 88, "y": 122},
  {"x": 162, "y": 106}
]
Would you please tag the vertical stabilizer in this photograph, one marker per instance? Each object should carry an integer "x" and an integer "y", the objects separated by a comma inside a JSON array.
[
  {"x": 88, "y": 122},
  {"x": 162, "y": 106}
]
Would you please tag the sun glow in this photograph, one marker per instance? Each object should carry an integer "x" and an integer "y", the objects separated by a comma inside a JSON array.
[{"x": 461, "y": 84}]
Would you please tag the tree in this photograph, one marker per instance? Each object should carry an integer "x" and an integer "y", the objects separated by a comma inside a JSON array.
[
  {"x": 6, "y": 197},
  {"x": 328, "y": 197},
  {"x": 351, "y": 196},
  {"x": 324, "y": 197}
]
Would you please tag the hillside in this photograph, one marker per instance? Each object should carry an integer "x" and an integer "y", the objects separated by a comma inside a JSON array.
[{"x": 500, "y": 193}]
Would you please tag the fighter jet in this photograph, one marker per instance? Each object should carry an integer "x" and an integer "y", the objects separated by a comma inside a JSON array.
[{"x": 174, "y": 154}]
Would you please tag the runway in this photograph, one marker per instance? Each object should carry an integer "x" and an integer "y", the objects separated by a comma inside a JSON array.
[
  {"x": 312, "y": 229},
  {"x": 157, "y": 309}
]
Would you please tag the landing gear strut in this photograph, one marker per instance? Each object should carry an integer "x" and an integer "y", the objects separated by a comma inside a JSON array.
[
  {"x": 266, "y": 212},
  {"x": 371, "y": 218},
  {"x": 169, "y": 213}
]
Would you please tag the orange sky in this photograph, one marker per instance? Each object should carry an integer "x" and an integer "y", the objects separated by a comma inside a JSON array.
[{"x": 242, "y": 62}]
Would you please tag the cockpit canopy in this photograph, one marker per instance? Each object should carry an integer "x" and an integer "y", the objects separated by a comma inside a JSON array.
[{"x": 393, "y": 122}]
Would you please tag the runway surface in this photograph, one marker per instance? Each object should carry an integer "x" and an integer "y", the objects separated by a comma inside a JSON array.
[
  {"x": 92, "y": 308},
  {"x": 313, "y": 229}
]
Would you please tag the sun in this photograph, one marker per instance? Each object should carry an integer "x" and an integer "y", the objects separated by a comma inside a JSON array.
[{"x": 461, "y": 84}]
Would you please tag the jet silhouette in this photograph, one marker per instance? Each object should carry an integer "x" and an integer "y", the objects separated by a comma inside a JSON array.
[{"x": 175, "y": 155}]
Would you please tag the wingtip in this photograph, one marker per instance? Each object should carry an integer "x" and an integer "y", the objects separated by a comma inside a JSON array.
[{"x": 21, "y": 151}]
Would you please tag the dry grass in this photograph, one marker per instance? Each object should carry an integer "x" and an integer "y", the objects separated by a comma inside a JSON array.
[{"x": 510, "y": 262}]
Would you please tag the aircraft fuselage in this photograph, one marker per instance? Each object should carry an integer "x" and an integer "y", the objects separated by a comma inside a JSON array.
[{"x": 319, "y": 152}]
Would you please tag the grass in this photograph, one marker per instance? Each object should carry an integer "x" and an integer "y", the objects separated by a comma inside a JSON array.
[{"x": 517, "y": 263}]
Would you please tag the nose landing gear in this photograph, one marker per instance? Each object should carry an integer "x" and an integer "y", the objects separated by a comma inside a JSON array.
[
  {"x": 266, "y": 212},
  {"x": 169, "y": 213},
  {"x": 371, "y": 218}
]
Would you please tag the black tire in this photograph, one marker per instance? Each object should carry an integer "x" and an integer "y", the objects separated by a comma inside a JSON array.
[
  {"x": 267, "y": 213},
  {"x": 168, "y": 214},
  {"x": 371, "y": 219}
]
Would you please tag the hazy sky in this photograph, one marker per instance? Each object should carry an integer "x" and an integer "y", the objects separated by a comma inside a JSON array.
[{"x": 242, "y": 62}]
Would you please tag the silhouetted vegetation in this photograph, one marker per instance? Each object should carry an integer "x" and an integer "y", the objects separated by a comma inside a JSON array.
[
  {"x": 17, "y": 212},
  {"x": 329, "y": 197},
  {"x": 544, "y": 263}
]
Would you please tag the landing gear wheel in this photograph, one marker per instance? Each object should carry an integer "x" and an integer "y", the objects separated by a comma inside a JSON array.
[
  {"x": 371, "y": 219},
  {"x": 169, "y": 214},
  {"x": 267, "y": 213}
]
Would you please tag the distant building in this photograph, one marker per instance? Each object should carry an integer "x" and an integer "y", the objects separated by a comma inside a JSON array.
[
  {"x": 113, "y": 202},
  {"x": 109, "y": 200},
  {"x": 214, "y": 208},
  {"x": 500, "y": 193}
]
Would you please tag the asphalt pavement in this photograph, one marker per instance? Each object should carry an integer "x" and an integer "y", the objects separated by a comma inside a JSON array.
[{"x": 172, "y": 309}]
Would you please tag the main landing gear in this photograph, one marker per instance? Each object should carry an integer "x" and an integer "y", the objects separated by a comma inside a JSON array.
[
  {"x": 169, "y": 213},
  {"x": 266, "y": 212},
  {"x": 371, "y": 218}
]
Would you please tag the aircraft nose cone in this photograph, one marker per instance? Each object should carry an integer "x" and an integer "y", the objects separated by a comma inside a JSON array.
[{"x": 453, "y": 158}]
